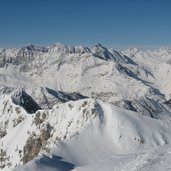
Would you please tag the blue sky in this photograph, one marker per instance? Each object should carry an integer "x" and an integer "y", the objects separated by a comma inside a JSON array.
[{"x": 117, "y": 23}]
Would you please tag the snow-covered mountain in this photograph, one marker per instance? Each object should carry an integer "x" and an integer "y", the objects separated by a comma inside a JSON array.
[{"x": 80, "y": 108}]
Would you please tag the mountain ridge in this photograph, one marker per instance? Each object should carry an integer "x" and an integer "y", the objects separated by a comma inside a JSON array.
[{"x": 83, "y": 99}]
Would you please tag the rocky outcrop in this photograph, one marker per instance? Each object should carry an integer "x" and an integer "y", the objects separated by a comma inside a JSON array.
[
  {"x": 21, "y": 98},
  {"x": 35, "y": 143}
]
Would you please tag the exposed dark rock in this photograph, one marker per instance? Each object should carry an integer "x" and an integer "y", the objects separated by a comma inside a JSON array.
[
  {"x": 35, "y": 143},
  {"x": 17, "y": 121},
  {"x": 6, "y": 90},
  {"x": 39, "y": 118},
  {"x": 31, "y": 149},
  {"x": 45, "y": 134},
  {"x": 22, "y": 99},
  {"x": 101, "y": 52},
  {"x": 65, "y": 97},
  {"x": 168, "y": 103},
  {"x": 2, "y": 133},
  {"x": 128, "y": 105}
]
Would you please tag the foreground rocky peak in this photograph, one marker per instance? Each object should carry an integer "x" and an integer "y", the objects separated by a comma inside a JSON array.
[{"x": 21, "y": 98}]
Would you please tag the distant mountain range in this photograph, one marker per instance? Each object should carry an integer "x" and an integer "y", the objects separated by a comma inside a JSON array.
[{"x": 79, "y": 108}]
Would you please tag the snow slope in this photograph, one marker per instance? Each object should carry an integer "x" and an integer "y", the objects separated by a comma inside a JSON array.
[
  {"x": 156, "y": 159},
  {"x": 91, "y": 108},
  {"x": 157, "y": 61},
  {"x": 85, "y": 132},
  {"x": 97, "y": 72}
]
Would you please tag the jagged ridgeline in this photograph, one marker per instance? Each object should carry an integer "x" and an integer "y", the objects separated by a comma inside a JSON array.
[
  {"x": 50, "y": 98},
  {"x": 118, "y": 77},
  {"x": 84, "y": 105}
]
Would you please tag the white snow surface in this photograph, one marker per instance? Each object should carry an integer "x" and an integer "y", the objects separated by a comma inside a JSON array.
[
  {"x": 123, "y": 124},
  {"x": 84, "y": 135}
]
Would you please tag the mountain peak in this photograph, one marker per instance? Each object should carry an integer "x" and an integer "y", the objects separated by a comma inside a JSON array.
[
  {"x": 102, "y": 52},
  {"x": 99, "y": 45}
]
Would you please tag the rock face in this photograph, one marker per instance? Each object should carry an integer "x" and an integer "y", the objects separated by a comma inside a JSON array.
[
  {"x": 168, "y": 103},
  {"x": 21, "y": 98},
  {"x": 65, "y": 97},
  {"x": 31, "y": 149},
  {"x": 35, "y": 144}
]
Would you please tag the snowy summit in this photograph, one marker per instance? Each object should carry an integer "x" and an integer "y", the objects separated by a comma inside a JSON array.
[{"x": 79, "y": 108}]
